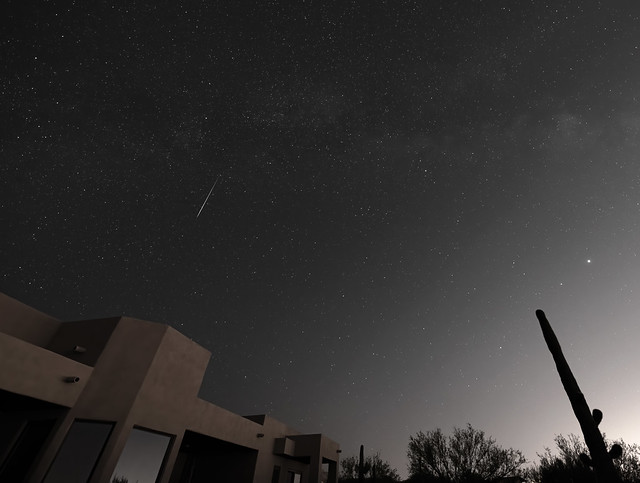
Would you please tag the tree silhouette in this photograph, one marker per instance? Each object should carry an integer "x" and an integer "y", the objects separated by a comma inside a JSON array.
[{"x": 464, "y": 457}]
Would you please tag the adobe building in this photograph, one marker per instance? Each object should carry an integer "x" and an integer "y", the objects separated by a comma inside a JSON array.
[{"x": 116, "y": 400}]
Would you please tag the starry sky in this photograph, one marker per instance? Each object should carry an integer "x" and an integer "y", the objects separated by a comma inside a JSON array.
[{"x": 398, "y": 186}]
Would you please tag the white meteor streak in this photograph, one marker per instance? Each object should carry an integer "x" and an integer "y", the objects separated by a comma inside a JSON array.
[{"x": 207, "y": 198}]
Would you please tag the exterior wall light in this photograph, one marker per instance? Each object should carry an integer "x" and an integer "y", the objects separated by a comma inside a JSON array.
[
  {"x": 79, "y": 349},
  {"x": 260, "y": 435},
  {"x": 72, "y": 379}
]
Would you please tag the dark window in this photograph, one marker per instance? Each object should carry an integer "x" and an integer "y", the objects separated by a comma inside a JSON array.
[
  {"x": 79, "y": 452},
  {"x": 26, "y": 448},
  {"x": 275, "y": 478},
  {"x": 142, "y": 457}
]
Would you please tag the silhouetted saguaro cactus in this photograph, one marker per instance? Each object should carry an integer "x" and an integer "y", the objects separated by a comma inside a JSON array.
[
  {"x": 600, "y": 460},
  {"x": 361, "y": 466}
]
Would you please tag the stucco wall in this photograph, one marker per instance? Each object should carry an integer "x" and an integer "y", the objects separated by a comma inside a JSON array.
[
  {"x": 174, "y": 379},
  {"x": 26, "y": 323},
  {"x": 33, "y": 371},
  {"x": 91, "y": 335}
]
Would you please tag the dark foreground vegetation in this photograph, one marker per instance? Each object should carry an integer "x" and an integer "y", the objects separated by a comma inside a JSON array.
[{"x": 469, "y": 456}]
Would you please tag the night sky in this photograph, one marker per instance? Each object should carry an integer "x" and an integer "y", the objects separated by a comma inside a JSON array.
[{"x": 398, "y": 186}]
